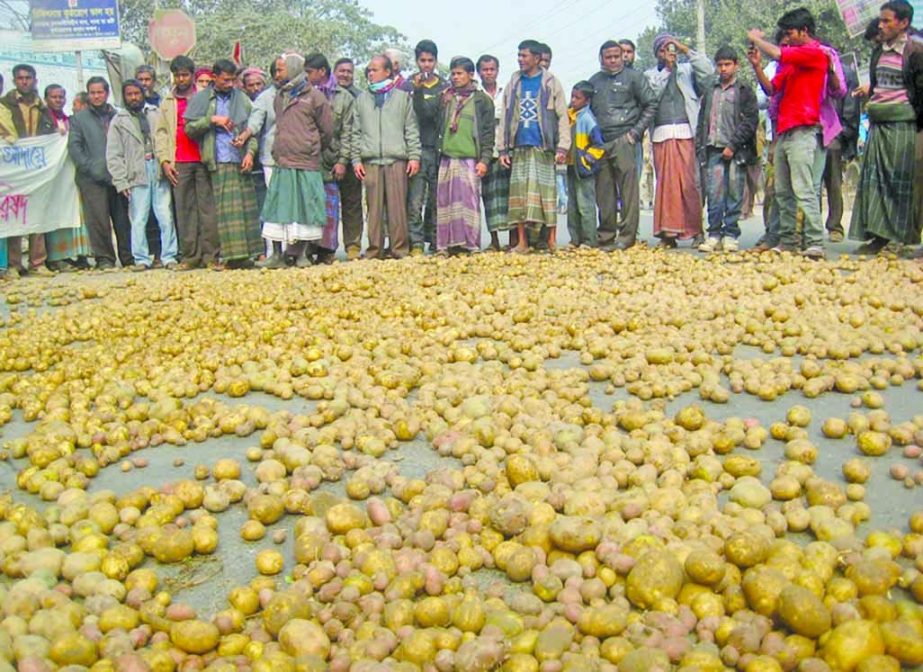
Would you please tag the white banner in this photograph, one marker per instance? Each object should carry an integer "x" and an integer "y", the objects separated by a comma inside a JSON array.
[{"x": 37, "y": 189}]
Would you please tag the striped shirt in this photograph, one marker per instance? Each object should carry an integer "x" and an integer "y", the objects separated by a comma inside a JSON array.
[{"x": 889, "y": 73}]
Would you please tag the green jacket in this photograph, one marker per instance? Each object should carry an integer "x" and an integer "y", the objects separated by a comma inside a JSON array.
[
  {"x": 484, "y": 126},
  {"x": 202, "y": 131},
  {"x": 383, "y": 135},
  {"x": 344, "y": 113}
]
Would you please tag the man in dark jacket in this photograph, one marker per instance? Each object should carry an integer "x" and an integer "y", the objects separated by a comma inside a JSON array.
[
  {"x": 839, "y": 153},
  {"x": 726, "y": 144},
  {"x": 623, "y": 105},
  {"x": 23, "y": 114},
  {"x": 104, "y": 208},
  {"x": 426, "y": 87}
]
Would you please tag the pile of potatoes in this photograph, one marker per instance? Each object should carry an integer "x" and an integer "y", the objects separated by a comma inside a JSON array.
[{"x": 554, "y": 534}]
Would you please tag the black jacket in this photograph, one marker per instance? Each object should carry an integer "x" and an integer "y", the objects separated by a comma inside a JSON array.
[
  {"x": 913, "y": 74},
  {"x": 623, "y": 102},
  {"x": 86, "y": 143},
  {"x": 743, "y": 139},
  {"x": 427, "y": 104},
  {"x": 849, "y": 108}
]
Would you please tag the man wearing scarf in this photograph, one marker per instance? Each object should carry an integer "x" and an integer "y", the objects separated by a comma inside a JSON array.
[
  {"x": 214, "y": 118},
  {"x": 385, "y": 153},
  {"x": 295, "y": 203},
  {"x": 24, "y": 115},
  {"x": 181, "y": 162},
  {"x": 677, "y": 200},
  {"x": 136, "y": 174},
  {"x": 104, "y": 208},
  {"x": 465, "y": 139},
  {"x": 336, "y": 154}
]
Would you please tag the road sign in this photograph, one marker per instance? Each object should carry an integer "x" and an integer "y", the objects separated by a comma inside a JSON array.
[
  {"x": 172, "y": 33},
  {"x": 74, "y": 25}
]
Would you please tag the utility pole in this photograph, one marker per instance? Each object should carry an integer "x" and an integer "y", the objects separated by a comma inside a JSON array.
[{"x": 700, "y": 26}]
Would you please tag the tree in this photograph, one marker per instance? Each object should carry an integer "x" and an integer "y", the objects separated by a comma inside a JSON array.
[{"x": 727, "y": 22}]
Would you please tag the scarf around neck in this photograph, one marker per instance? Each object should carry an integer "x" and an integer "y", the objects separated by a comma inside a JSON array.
[
  {"x": 381, "y": 90},
  {"x": 461, "y": 96}
]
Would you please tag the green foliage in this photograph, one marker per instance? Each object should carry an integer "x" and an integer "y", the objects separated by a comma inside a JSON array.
[
  {"x": 267, "y": 27},
  {"x": 727, "y": 22}
]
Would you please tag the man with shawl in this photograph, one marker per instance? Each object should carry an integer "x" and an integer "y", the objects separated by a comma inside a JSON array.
[
  {"x": 677, "y": 200},
  {"x": 890, "y": 182},
  {"x": 466, "y": 142},
  {"x": 294, "y": 212},
  {"x": 214, "y": 118}
]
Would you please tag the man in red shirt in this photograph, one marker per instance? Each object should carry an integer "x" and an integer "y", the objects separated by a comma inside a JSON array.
[
  {"x": 800, "y": 81},
  {"x": 196, "y": 219}
]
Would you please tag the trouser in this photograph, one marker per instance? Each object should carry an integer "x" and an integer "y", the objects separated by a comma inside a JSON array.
[
  {"x": 751, "y": 187},
  {"x": 833, "y": 181},
  {"x": 151, "y": 233},
  {"x": 351, "y": 208},
  {"x": 560, "y": 184},
  {"x": 195, "y": 213},
  {"x": 639, "y": 158},
  {"x": 724, "y": 186},
  {"x": 386, "y": 193},
  {"x": 581, "y": 208},
  {"x": 153, "y": 196},
  {"x": 104, "y": 209},
  {"x": 259, "y": 185},
  {"x": 422, "y": 193},
  {"x": 799, "y": 166},
  {"x": 618, "y": 177},
  {"x": 37, "y": 252}
]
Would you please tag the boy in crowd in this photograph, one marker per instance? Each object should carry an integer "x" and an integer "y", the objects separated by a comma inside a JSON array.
[{"x": 582, "y": 166}]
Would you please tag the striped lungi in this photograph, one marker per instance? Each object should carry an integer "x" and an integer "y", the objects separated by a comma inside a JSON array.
[
  {"x": 533, "y": 191},
  {"x": 69, "y": 243},
  {"x": 295, "y": 207},
  {"x": 458, "y": 204},
  {"x": 238, "y": 219},
  {"x": 495, "y": 190},
  {"x": 677, "y": 203}
]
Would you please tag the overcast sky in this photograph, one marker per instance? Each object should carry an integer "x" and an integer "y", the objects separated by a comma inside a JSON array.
[{"x": 573, "y": 28}]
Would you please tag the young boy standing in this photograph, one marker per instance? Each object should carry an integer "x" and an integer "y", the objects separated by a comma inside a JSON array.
[
  {"x": 726, "y": 144},
  {"x": 582, "y": 166}
]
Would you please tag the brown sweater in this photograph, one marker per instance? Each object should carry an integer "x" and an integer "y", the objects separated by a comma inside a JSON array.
[{"x": 304, "y": 126}]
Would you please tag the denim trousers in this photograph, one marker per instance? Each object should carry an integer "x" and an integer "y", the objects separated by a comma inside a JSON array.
[
  {"x": 724, "y": 187},
  {"x": 799, "y": 164},
  {"x": 156, "y": 196},
  {"x": 422, "y": 192}
]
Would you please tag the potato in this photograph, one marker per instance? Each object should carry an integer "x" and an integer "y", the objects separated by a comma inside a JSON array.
[
  {"x": 803, "y": 612},
  {"x": 194, "y": 636},
  {"x": 656, "y": 575},
  {"x": 300, "y": 637},
  {"x": 850, "y": 643}
]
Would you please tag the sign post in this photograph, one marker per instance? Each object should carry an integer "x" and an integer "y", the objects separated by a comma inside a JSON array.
[
  {"x": 171, "y": 33},
  {"x": 75, "y": 25}
]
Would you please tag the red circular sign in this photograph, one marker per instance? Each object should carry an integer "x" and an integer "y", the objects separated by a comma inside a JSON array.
[{"x": 172, "y": 33}]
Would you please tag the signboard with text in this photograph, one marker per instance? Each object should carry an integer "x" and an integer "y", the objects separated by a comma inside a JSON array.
[
  {"x": 75, "y": 25},
  {"x": 857, "y": 14}
]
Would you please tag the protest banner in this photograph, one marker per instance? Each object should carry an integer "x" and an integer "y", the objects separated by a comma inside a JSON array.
[{"x": 37, "y": 189}]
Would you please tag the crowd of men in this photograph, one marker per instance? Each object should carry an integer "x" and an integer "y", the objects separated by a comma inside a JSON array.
[{"x": 240, "y": 168}]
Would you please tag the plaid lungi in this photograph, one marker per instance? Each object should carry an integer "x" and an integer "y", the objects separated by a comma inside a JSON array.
[
  {"x": 69, "y": 243},
  {"x": 533, "y": 191},
  {"x": 238, "y": 219},
  {"x": 495, "y": 191},
  {"x": 458, "y": 204}
]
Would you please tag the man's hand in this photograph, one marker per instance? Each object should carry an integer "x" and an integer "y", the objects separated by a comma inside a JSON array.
[
  {"x": 755, "y": 34},
  {"x": 339, "y": 171},
  {"x": 222, "y": 122},
  {"x": 861, "y": 92},
  {"x": 242, "y": 139},
  {"x": 359, "y": 171},
  {"x": 481, "y": 169},
  {"x": 170, "y": 173},
  {"x": 727, "y": 154},
  {"x": 413, "y": 167},
  {"x": 630, "y": 137},
  {"x": 755, "y": 58},
  {"x": 506, "y": 161},
  {"x": 127, "y": 194},
  {"x": 246, "y": 165},
  {"x": 680, "y": 47},
  {"x": 560, "y": 157}
]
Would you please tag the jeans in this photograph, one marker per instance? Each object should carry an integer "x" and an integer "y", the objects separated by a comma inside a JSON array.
[
  {"x": 833, "y": 180},
  {"x": 581, "y": 208},
  {"x": 420, "y": 192},
  {"x": 153, "y": 195},
  {"x": 799, "y": 163},
  {"x": 724, "y": 186},
  {"x": 560, "y": 180}
]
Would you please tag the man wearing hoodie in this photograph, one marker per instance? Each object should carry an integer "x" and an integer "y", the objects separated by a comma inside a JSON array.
[
  {"x": 104, "y": 208},
  {"x": 136, "y": 174},
  {"x": 23, "y": 114}
]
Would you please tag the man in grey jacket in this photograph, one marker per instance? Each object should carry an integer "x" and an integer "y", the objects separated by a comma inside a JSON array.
[
  {"x": 385, "y": 153},
  {"x": 136, "y": 175},
  {"x": 678, "y": 85},
  {"x": 623, "y": 105},
  {"x": 102, "y": 204}
]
